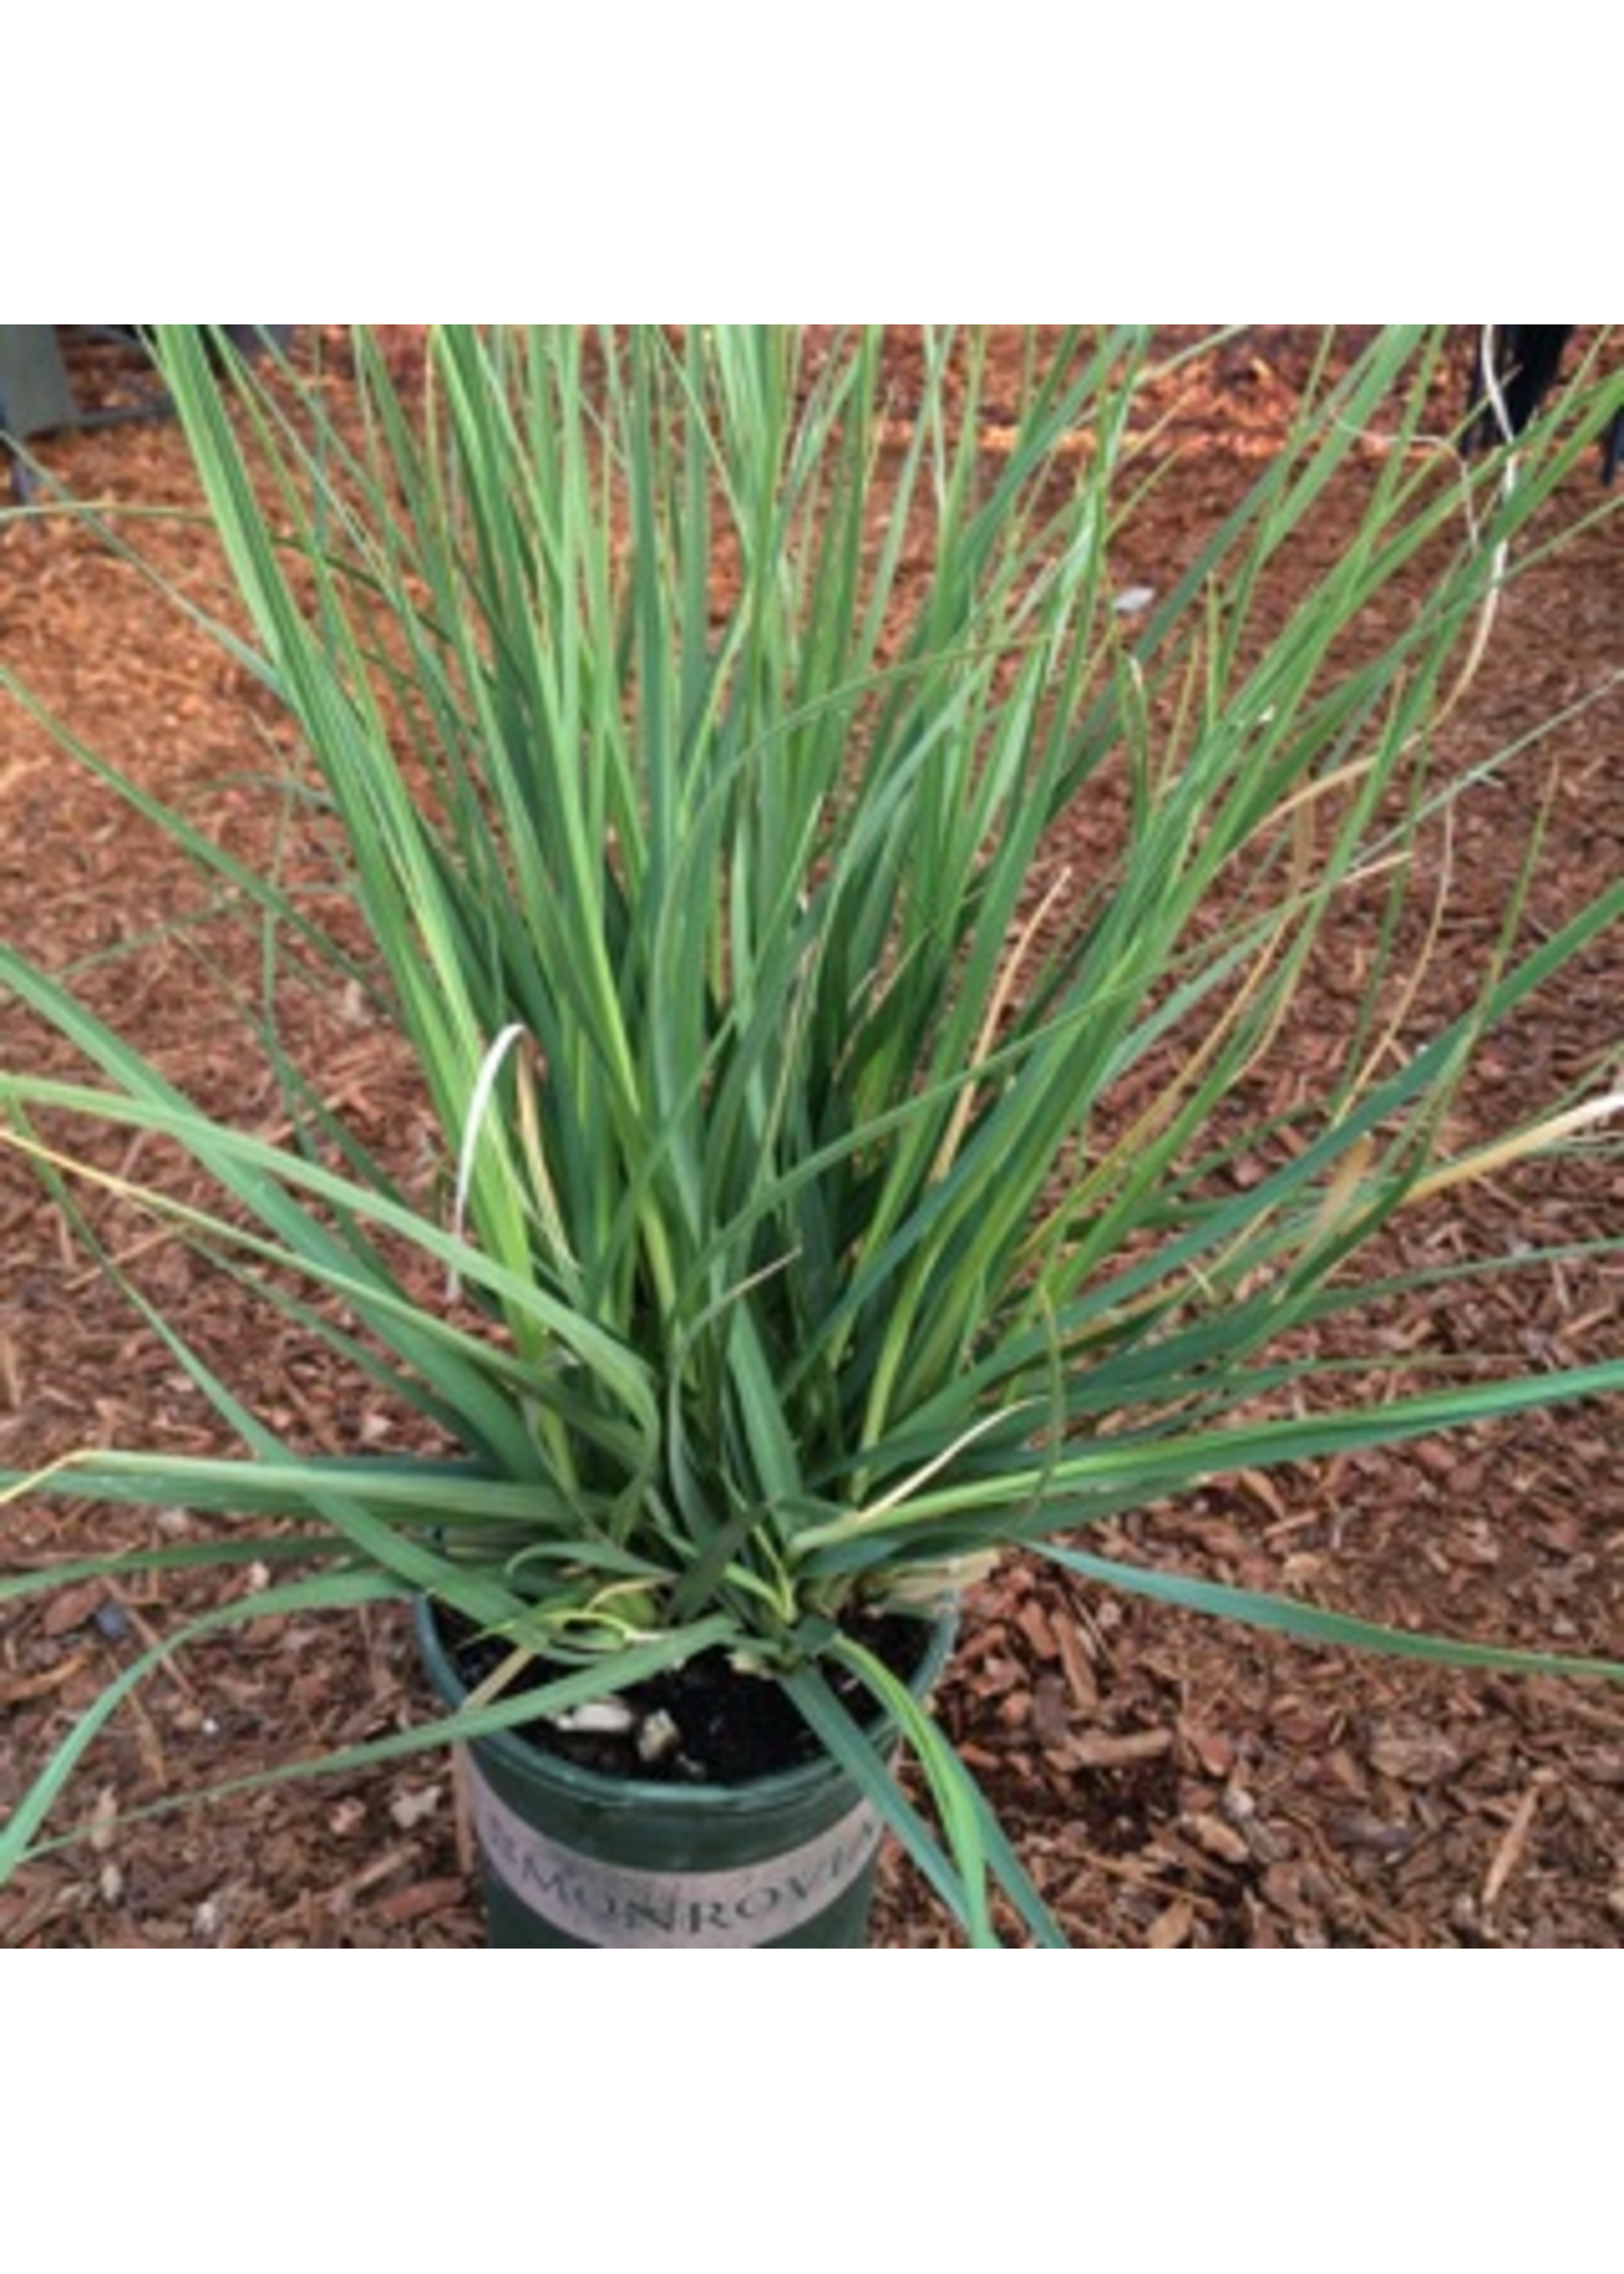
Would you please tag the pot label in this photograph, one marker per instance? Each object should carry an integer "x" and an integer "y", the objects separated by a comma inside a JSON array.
[{"x": 623, "y": 1908}]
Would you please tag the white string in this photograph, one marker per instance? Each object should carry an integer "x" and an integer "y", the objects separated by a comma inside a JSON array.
[
  {"x": 1491, "y": 384},
  {"x": 478, "y": 1105},
  {"x": 1502, "y": 550}
]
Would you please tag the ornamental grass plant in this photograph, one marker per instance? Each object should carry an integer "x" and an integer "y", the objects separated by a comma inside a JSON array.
[{"x": 832, "y": 1193}]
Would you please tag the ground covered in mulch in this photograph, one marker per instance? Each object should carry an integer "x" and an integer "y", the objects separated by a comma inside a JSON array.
[{"x": 1169, "y": 1781}]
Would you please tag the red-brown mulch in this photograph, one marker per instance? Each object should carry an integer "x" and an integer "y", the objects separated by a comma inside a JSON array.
[{"x": 1169, "y": 1781}]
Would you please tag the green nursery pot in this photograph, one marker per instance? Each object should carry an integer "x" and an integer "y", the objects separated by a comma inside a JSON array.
[{"x": 572, "y": 1860}]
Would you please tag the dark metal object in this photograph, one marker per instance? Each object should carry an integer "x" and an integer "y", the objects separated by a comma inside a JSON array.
[{"x": 36, "y": 396}]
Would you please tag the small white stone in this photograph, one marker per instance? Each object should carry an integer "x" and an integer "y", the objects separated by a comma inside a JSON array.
[
  {"x": 658, "y": 1736},
  {"x": 604, "y": 1717}
]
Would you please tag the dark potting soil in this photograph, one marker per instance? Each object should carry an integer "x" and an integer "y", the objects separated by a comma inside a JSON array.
[{"x": 702, "y": 1723}]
